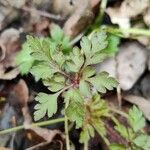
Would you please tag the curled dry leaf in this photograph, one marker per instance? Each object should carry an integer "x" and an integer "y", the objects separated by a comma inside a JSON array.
[
  {"x": 46, "y": 134},
  {"x": 129, "y": 65},
  {"x": 8, "y": 11},
  {"x": 81, "y": 17},
  {"x": 128, "y": 9},
  {"x": 141, "y": 102},
  {"x": 20, "y": 93},
  {"x": 10, "y": 45}
]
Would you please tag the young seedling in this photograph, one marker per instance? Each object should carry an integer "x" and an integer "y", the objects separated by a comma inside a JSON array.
[{"x": 68, "y": 72}]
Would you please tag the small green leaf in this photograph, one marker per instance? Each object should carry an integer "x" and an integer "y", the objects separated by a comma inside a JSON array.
[
  {"x": 123, "y": 131},
  {"x": 76, "y": 60},
  {"x": 99, "y": 107},
  {"x": 40, "y": 48},
  {"x": 143, "y": 141},
  {"x": 136, "y": 119},
  {"x": 24, "y": 59},
  {"x": 99, "y": 126},
  {"x": 99, "y": 41},
  {"x": 93, "y": 48},
  {"x": 97, "y": 58},
  {"x": 117, "y": 147},
  {"x": 84, "y": 136},
  {"x": 75, "y": 112},
  {"x": 102, "y": 82},
  {"x": 56, "y": 83},
  {"x": 56, "y": 33},
  {"x": 112, "y": 47},
  {"x": 47, "y": 104},
  {"x": 59, "y": 58},
  {"x": 88, "y": 71},
  {"x": 85, "y": 89},
  {"x": 86, "y": 46},
  {"x": 42, "y": 71}
]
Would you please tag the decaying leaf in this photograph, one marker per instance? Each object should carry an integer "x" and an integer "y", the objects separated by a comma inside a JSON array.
[
  {"x": 10, "y": 45},
  {"x": 81, "y": 16},
  {"x": 128, "y": 9}
]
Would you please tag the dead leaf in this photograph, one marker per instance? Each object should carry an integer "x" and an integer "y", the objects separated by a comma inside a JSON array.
[
  {"x": 10, "y": 45},
  {"x": 80, "y": 18},
  {"x": 128, "y": 9},
  {"x": 41, "y": 28},
  {"x": 141, "y": 102},
  {"x": 44, "y": 133},
  {"x": 19, "y": 94}
]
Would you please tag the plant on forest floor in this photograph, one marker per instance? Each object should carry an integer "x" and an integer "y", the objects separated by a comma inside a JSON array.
[{"x": 69, "y": 72}]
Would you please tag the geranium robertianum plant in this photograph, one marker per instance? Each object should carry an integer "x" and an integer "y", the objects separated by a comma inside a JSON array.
[{"x": 68, "y": 72}]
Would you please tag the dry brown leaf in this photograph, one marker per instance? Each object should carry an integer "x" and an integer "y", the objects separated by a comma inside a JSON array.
[
  {"x": 19, "y": 94},
  {"x": 141, "y": 102},
  {"x": 10, "y": 45},
  {"x": 129, "y": 8},
  {"x": 80, "y": 18},
  {"x": 46, "y": 134}
]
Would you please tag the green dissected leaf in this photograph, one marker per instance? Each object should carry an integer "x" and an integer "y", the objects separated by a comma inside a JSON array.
[
  {"x": 73, "y": 94},
  {"x": 143, "y": 141},
  {"x": 75, "y": 112},
  {"x": 123, "y": 131},
  {"x": 40, "y": 48},
  {"x": 117, "y": 147},
  {"x": 99, "y": 107},
  {"x": 93, "y": 48},
  {"x": 88, "y": 72},
  {"x": 47, "y": 104},
  {"x": 59, "y": 58},
  {"x": 76, "y": 60},
  {"x": 84, "y": 135},
  {"x": 112, "y": 47},
  {"x": 59, "y": 38},
  {"x": 136, "y": 119},
  {"x": 56, "y": 83},
  {"x": 85, "y": 89},
  {"x": 99, "y": 126},
  {"x": 24, "y": 59},
  {"x": 102, "y": 82},
  {"x": 96, "y": 111},
  {"x": 57, "y": 33},
  {"x": 42, "y": 70}
]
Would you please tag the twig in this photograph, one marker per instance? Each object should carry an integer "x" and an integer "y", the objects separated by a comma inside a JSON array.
[
  {"x": 38, "y": 145},
  {"x": 39, "y": 124},
  {"x": 135, "y": 31},
  {"x": 119, "y": 112},
  {"x": 67, "y": 130},
  {"x": 86, "y": 145},
  {"x": 102, "y": 10},
  {"x": 42, "y": 13}
]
